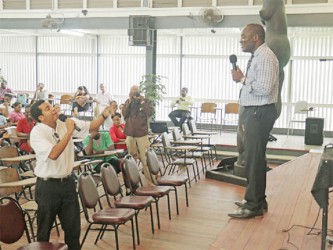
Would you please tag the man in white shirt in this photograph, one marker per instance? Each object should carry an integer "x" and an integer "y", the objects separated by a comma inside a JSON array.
[
  {"x": 51, "y": 140},
  {"x": 41, "y": 93},
  {"x": 103, "y": 99}
]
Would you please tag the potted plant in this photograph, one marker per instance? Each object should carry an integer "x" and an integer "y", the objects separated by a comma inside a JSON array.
[{"x": 152, "y": 88}]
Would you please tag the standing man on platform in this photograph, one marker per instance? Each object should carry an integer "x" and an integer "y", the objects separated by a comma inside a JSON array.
[
  {"x": 258, "y": 96},
  {"x": 51, "y": 139},
  {"x": 136, "y": 112},
  {"x": 183, "y": 103}
]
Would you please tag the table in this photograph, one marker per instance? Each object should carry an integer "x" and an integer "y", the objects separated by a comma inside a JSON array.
[
  {"x": 21, "y": 158},
  {"x": 323, "y": 181},
  {"x": 21, "y": 183},
  {"x": 104, "y": 155}
]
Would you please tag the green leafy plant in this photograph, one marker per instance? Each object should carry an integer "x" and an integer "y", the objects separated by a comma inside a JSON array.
[{"x": 152, "y": 88}]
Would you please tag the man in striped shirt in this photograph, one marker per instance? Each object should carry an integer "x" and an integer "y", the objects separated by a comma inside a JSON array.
[{"x": 258, "y": 96}]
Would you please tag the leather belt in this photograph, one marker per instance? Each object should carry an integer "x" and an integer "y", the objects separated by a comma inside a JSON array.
[{"x": 63, "y": 179}]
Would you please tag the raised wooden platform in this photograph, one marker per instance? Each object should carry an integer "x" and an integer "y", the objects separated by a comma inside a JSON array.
[{"x": 291, "y": 206}]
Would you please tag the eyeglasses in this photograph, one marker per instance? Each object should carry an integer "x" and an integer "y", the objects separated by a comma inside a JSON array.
[{"x": 56, "y": 137}]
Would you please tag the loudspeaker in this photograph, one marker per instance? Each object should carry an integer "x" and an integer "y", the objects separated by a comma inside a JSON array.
[
  {"x": 140, "y": 30},
  {"x": 314, "y": 131}
]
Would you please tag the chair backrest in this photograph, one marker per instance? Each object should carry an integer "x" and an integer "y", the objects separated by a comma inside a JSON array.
[
  {"x": 153, "y": 162},
  {"x": 88, "y": 191},
  {"x": 208, "y": 107},
  {"x": 301, "y": 107},
  {"x": 110, "y": 180},
  {"x": 66, "y": 99},
  {"x": 131, "y": 172},
  {"x": 9, "y": 175},
  {"x": 165, "y": 140},
  {"x": 186, "y": 129},
  {"x": 176, "y": 135},
  {"x": 231, "y": 108},
  {"x": 12, "y": 222}
]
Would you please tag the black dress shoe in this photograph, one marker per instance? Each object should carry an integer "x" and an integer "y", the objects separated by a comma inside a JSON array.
[
  {"x": 242, "y": 205},
  {"x": 244, "y": 213}
]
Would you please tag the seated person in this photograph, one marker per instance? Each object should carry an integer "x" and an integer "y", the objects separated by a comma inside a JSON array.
[
  {"x": 41, "y": 93},
  {"x": 23, "y": 129},
  {"x": 97, "y": 143},
  {"x": 117, "y": 132},
  {"x": 16, "y": 114},
  {"x": 5, "y": 107},
  {"x": 82, "y": 101},
  {"x": 5, "y": 90},
  {"x": 182, "y": 112},
  {"x": 3, "y": 123}
]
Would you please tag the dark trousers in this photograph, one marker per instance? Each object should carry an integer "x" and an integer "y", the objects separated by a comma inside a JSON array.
[
  {"x": 58, "y": 198},
  {"x": 182, "y": 115},
  {"x": 259, "y": 121},
  {"x": 115, "y": 163}
]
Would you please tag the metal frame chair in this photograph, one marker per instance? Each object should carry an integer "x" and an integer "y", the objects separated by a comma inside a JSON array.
[
  {"x": 101, "y": 217},
  {"x": 112, "y": 187},
  {"x": 174, "y": 181},
  {"x": 11, "y": 232},
  {"x": 133, "y": 179},
  {"x": 208, "y": 113},
  {"x": 300, "y": 114},
  {"x": 231, "y": 110}
]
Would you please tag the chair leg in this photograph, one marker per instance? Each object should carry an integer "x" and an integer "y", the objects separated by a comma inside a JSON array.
[
  {"x": 151, "y": 219},
  {"x": 169, "y": 206},
  {"x": 186, "y": 194},
  {"x": 137, "y": 227},
  {"x": 85, "y": 235},
  {"x": 116, "y": 236},
  {"x": 176, "y": 196},
  {"x": 188, "y": 176},
  {"x": 158, "y": 215},
  {"x": 133, "y": 234}
]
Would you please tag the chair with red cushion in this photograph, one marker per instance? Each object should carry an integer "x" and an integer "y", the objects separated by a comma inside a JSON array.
[{"x": 13, "y": 225}]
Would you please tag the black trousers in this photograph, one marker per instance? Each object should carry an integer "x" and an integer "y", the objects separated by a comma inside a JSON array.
[
  {"x": 115, "y": 162},
  {"x": 182, "y": 115},
  {"x": 55, "y": 198},
  {"x": 259, "y": 121}
]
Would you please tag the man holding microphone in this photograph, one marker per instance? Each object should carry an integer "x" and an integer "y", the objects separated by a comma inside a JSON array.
[{"x": 51, "y": 139}]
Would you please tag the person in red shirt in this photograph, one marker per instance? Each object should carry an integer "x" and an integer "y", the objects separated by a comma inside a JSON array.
[
  {"x": 117, "y": 132},
  {"x": 23, "y": 129}
]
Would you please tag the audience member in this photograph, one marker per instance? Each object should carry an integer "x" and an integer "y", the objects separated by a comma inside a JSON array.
[
  {"x": 56, "y": 194},
  {"x": 82, "y": 101},
  {"x": 5, "y": 106},
  {"x": 183, "y": 103},
  {"x": 102, "y": 99},
  {"x": 97, "y": 143},
  {"x": 136, "y": 112},
  {"x": 16, "y": 114},
  {"x": 41, "y": 93},
  {"x": 23, "y": 129},
  {"x": 3, "y": 122},
  {"x": 117, "y": 132},
  {"x": 5, "y": 90}
]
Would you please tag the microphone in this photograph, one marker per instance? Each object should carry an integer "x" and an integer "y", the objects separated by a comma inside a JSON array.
[
  {"x": 233, "y": 60},
  {"x": 63, "y": 118}
]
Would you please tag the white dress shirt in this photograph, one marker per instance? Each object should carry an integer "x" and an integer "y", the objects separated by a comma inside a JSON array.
[{"x": 43, "y": 138}]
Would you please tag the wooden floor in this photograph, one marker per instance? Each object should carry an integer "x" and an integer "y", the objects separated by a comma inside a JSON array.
[{"x": 205, "y": 224}]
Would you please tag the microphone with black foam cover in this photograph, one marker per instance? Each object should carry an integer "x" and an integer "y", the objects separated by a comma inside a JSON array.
[
  {"x": 233, "y": 60},
  {"x": 63, "y": 118}
]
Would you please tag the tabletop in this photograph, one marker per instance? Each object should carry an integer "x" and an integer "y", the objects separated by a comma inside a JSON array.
[
  {"x": 21, "y": 183},
  {"x": 20, "y": 158}
]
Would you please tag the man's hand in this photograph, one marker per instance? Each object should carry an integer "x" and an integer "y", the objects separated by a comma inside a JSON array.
[
  {"x": 70, "y": 125},
  {"x": 237, "y": 75}
]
